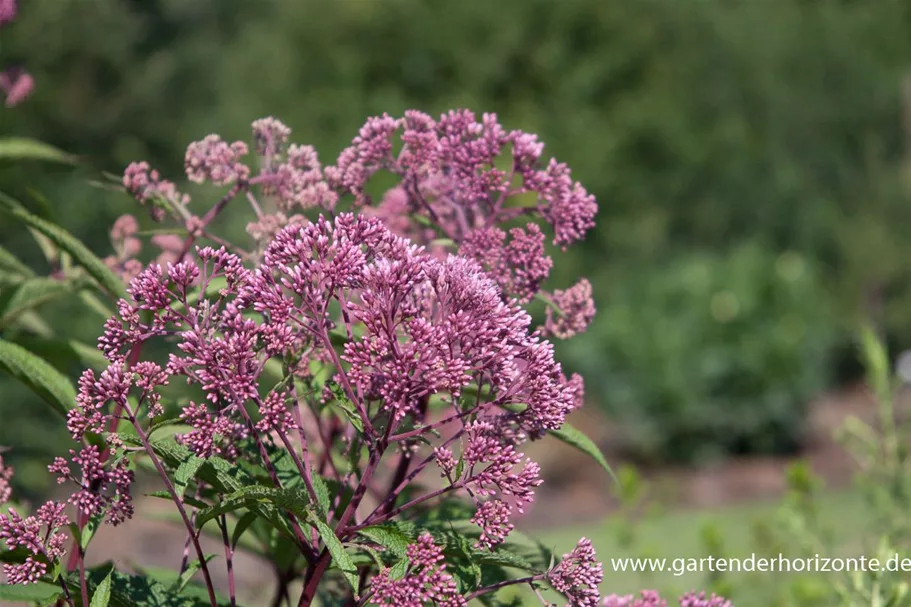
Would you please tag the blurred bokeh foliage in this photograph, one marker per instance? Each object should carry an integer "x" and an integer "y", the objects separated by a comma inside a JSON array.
[
  {"x": 719, "y": 138},
  {"x": 762, "y": 339}
]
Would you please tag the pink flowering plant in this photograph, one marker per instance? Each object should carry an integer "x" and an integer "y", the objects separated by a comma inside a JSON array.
[
  {"x": 16, "y": 84},
  {"x": 347, "y": 395}
]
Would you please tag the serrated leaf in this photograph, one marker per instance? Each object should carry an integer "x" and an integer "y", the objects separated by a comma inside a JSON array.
[
  {"x": 140, "y": 591},
  {"x": 102, "y": 595},
  {"x": 375, "y": 557},
  {"x": 108, "y": 281},
  {"x": 293, "y": 499},
  {"x": 22, "y": 148},
  {"x": 399, "y": 570},
  {"x": 575, "y": 438},
  {"x": 388, "y": 537},
  {"x": 341, "y": 558},
  {"x": 186, "y": 472},
  {"x": 322, "y": 495},
  {"x": 40, "y": 592},
  {"x": 48, "y": 383}
]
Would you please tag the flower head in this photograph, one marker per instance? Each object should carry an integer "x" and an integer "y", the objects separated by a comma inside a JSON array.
[
  {"x": 102, "y": 487},
  {"x": 426, "y": 582},
  {"x": 7, "y": 11},
  {"x": 576, "y": 308},
  {"x": 38, "y": 535},
  {"x": 692, "y": 599},
  {"x": 6, "y": 474},
  {"x": 15, "y": 83},
  {"x": 578, "y": 576},
  {"x": 212, "y": 159}
]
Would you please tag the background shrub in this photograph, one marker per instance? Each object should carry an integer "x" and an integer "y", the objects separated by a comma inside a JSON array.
[
  {"x": 698, "y": 125},
  {"x": 711, "y": 354}
]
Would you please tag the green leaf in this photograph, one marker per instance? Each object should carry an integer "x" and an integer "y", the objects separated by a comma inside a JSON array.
[
  {"x": 575, "y": 438},
  {"x": 102, "y": 595},
  {"x": 339, "y": 556},
  {"x": 876, "y": 361},
  {"x": 62, "y": 353},
  {"x": 293, "y": 499},
  {"x": 140, "y": 591},
  {"x": 40, "y": 592},
  {"x": 242, "y": 525},
  {"x": 88, "y": 532},
  {"x": 186, "y": 472},
  {"x": 10, "y": 264},
  {"x": 21, "y": 148},
  {"x": 389, "y": 537},
  {"x": 347, "y": 407},
  {"x": 30, "y": 294},
  {"x": 505, "y": 558},
  {"x": 322, "y": 495},
  {"x": 16, "y": 556},
  {"x": 459, "y": 469},
  {"x": 37, "y": 374},
  {"x": 181, "y": 582},
  {"x": 399, "y": 570},
  {"x": 108, "y": 281},
  {"x": 191, "y": 501}
]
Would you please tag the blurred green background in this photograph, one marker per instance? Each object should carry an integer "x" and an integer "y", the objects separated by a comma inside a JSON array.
[{"x": 751, "y": 160}]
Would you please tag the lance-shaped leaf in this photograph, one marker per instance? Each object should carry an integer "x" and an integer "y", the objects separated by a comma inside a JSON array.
[
  {"x": 575, "y": 438},
  {"x": 108, "y": 281},
  {"x": 293, "y": 500},
  {"x": 388, "y": 536},
  {"x": 22, "y": 148},
  {"x": 39, "y": 592},
  {"x": 102, "y": 595},
  {"x": 11, "y": 265},
  {"x": 31, "y": 293},
  {"x": 46, "y": 381},
  {"x": 341, "y": 558},
  {"x": 140, "y": 591}
]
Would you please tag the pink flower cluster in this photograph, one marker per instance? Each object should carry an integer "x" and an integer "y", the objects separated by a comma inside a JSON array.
[
  {"x": 426, "y": 582},
  {"x": 127, "y": 246},
  {"x": 651, "y": 598},
  {"x": 216, "y": 161},
  {"x": 426, "y": 327},
  {"x": 397, "y": 310},
  {"x": 102, "y": 487},
  {"x": 7, "y": 11},
  {"x": 15, "y": 83},
  {"x": 449, "y": 170},
  {"x": 39, "y": 536},
  {"x": 574, "y": 311},
  {"x": 450, "y": 177},
  {"x": 449, "y": 182},
  {"x": 578, "y": 576},
  {"x": 6, "y": 474},
  {"x": 491, "y": 461},
  {"x": 147, "y": 186}
]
